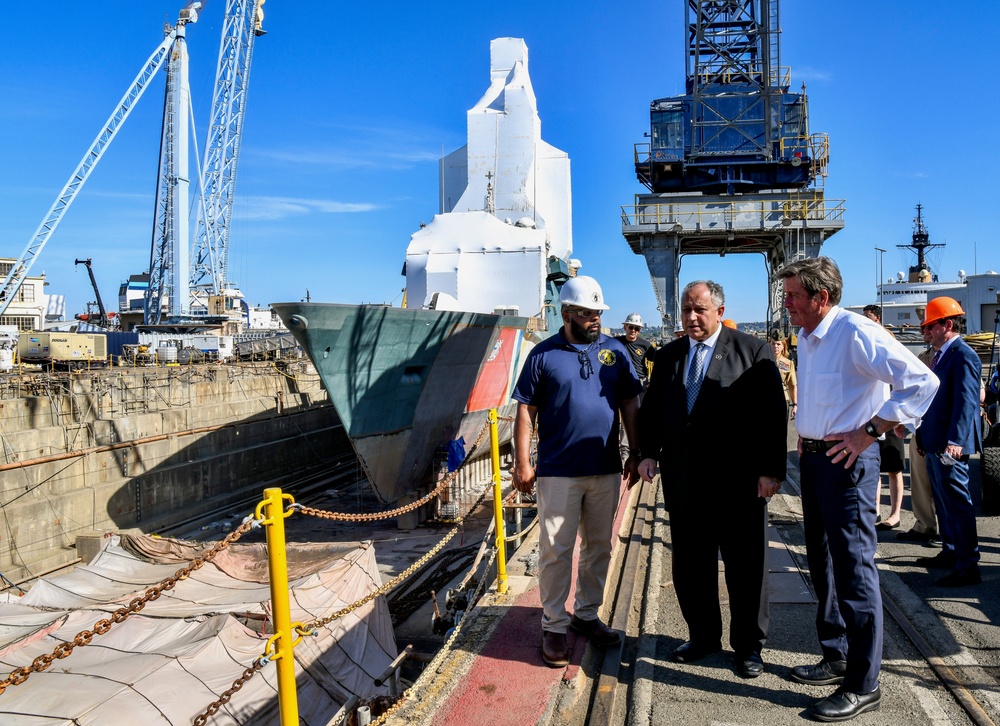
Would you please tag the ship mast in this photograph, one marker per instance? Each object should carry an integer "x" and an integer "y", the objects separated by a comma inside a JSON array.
[{"x": 920, "y": 243}]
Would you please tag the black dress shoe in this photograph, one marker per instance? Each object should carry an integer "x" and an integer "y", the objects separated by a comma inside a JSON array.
[
  {"x": 598, "y": 633},
  {"x": 960, "y": 579},
  {"x": 749, "y": 665},
  {"x": 912, "y": 535},
  {"x": 943, "y": 560},
  {"x": 844, "y": 705},
  {"x": 824, "y": 673},
  {"x": 690, "y": 651}
]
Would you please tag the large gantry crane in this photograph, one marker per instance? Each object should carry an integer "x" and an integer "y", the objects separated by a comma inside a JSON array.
[{"x": 731, "y": 164}]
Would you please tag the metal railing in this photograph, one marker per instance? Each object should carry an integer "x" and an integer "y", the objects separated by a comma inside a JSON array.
[{"x": 736, "y": 214}]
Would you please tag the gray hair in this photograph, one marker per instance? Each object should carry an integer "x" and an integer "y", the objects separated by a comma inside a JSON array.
[
  {"x": 815, "y": 275},
  {"x": 714, "y": 290}
]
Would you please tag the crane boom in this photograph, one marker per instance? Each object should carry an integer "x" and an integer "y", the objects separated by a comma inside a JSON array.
[
  {"x": 103, "y": 322},
  {"x": 210, "y": 250},
  {"x": 12, "y": 283}
]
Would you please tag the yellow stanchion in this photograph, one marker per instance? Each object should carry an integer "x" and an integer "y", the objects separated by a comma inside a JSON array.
[
  {"x": 273, "y": 520},
  {"x": 498, "y": 504}
]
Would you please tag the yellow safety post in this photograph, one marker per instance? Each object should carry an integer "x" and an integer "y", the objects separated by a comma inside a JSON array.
[
  {"x": 274, "y": 523},
  {"x": 498, "y": 505}
]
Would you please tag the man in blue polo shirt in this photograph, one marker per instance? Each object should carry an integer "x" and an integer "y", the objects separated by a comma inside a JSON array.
[{"x": 573, "y": 385}]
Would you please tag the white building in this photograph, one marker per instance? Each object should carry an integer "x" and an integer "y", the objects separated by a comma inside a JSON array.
[{"x": 28, "y": 310}]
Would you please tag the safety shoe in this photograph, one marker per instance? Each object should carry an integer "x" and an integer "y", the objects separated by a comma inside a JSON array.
[
  {"x": 555, "y": 651},
  {"x": 598, "y": 633},
  {"x": 844, "y": 705},
  {"x": 824, "y": 673}
]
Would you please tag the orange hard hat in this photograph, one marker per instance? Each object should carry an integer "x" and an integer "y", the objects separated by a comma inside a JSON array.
[
  {"x": 729, "y": 323},
  {"x": 941, "y": 308}
]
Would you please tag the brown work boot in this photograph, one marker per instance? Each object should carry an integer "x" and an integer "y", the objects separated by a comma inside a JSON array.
[
  {"x": 598, "y": 633},
  {"x": 555, "y": 651}
]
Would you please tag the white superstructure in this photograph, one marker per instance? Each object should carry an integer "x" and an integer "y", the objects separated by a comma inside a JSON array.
[{"x": 506, "y": 205}]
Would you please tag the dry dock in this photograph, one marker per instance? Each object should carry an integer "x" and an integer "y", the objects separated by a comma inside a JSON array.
[{"x": 148, "y": 448}]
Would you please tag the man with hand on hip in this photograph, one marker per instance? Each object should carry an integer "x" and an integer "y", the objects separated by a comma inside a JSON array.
[{"x": 847, "y": 364}]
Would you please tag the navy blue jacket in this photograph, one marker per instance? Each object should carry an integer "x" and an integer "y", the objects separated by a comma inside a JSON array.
[{"x": 954, "y": 412}]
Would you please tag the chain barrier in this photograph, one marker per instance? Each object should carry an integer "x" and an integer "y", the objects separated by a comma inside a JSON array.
[
  {"x": 19, "y": 675},
  {"x": 405, "y": 574},
  {"x": 436, "y": 661},
  {"x": 399, "y": 511},
  {"x": 226, "y": 696}
]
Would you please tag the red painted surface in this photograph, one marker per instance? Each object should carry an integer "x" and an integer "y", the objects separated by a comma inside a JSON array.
[
  {"x": 509, "y": 682},
  {"x": 491, "y": 387}
]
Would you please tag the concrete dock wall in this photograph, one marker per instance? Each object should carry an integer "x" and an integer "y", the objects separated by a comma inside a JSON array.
[{"x": 150, "y": 447}]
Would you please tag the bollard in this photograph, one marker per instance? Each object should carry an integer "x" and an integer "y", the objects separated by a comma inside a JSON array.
[
  {"x": 277, "y": 565},
  {"x": 498, "y": 505},
  {"x": 364, "y": 715}
]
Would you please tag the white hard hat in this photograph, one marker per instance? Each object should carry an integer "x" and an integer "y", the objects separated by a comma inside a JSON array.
[
  {"x": 583, "y": 292},
  {"x": 633, "y": 319}
]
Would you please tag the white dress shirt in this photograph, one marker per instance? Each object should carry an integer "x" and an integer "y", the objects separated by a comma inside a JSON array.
[
  {"x": 709, "y": 344},
  {"x": 846, "y": 365}
]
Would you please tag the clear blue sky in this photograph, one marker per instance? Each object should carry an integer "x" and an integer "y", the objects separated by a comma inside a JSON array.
[{"x": 351, "y": 104}]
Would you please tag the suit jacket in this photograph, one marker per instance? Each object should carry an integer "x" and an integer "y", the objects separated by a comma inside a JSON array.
[
  {"x": 954, "y": 412},
  {"x": 736, "y": 431}
]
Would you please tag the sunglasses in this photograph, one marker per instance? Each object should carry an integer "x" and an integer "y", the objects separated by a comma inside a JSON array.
[
  {"x": 585, "y": 314},
  {"x": 586, "y": 367},
  {"x": 633, "y": 328}
]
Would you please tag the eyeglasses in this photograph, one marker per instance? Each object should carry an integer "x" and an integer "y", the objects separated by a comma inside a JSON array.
[
  {"x": 586, "y": 367},
  {"x": 585, "y": 314},
  {"x": 930, "y": 325}
]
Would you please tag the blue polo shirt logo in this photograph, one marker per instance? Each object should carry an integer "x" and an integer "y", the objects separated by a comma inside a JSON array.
[{"x": 607, "y": 357}]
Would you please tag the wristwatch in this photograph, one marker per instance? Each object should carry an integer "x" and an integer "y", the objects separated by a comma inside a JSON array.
[{"x": 871, "y": 430}]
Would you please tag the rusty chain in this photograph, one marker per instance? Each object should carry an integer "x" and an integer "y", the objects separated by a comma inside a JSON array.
[
  {"x": 19, "y": 675},
  {"x": 399, "y": 511},
  {"x": 226, "y": 696},
  {"x": 435, "y": 662},
  {"x": 405, "y": 574}
]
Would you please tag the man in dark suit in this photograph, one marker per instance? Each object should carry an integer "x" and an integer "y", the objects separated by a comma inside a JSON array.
[
  {"x": 716, "y": 477},
  {"x": 948, "y": 434}
]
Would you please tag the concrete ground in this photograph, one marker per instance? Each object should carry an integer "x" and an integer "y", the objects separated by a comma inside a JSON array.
[{"x": 959, "y": 625}]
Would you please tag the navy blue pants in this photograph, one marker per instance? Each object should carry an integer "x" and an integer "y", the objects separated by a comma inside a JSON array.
[
  {"x": 838, "y": 508},
  {"x": 956, "y": 515}
]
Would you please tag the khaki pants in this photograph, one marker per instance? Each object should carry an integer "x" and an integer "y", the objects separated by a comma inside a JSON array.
[
  {"x": 921, "y": 498},
  {"x": 566, "y": 506}
]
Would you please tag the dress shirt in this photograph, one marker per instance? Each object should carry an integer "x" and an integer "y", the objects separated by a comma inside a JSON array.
[
  {"x": 709, "y": 347},
  {"x": 846, "y": 366},
  {"x": 947, "y": 344}
]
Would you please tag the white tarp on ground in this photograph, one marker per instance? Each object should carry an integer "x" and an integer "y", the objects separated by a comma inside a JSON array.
[{"x": 167, "y": 664}]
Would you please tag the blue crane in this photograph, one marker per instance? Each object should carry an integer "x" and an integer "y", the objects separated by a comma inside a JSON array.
[{"x": 738, "y": 127}]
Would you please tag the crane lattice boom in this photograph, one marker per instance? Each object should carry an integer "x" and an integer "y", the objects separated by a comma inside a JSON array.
[{"x": 210, "y": 251}]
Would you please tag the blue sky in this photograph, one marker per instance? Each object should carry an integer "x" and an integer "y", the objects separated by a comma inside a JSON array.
[{"x": 351, "y": 105}]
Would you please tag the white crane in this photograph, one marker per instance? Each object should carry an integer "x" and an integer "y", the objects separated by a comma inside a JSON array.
[
  {"x": 14, "y": 279},
  {"x": 210, "y": 252},
  {"x": 172, "y": 280}
]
